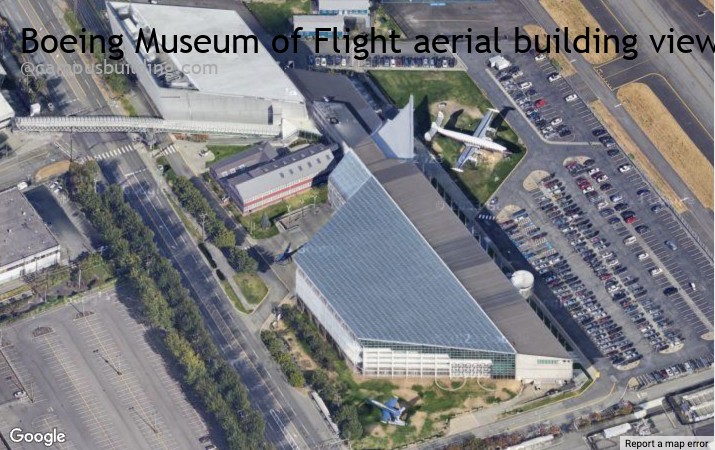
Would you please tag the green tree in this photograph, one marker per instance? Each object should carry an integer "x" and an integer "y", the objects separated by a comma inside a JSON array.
[
  {"x": 349, "y": 422},
  {"x": 265, "y": 222},
  {"x": 241, "y": 261},
  {"x": 225, "y": 238}
]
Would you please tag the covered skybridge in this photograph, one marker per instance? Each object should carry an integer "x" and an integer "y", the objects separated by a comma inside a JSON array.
[{"x": 108, "y": 124}]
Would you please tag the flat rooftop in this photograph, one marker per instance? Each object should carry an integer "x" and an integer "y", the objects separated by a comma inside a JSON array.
[
  {"x": 234, "y": 74},
  {"x": 22, "y": 231}
]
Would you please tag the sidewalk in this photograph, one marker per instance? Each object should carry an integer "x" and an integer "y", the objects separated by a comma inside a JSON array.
[{"x": 217, "y": 255}]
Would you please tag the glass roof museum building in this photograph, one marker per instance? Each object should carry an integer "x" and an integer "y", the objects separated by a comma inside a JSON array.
[{"x": 402, "y": 287}]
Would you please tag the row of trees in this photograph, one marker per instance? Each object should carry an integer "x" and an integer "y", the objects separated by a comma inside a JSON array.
[
  {"x": 279, "y": 351},
  {"x": 345, "y": 415},
  {"x": 167, "y": 307},
  {"x": 321, "y": 352},
  {"x": 196, "y": 204}
]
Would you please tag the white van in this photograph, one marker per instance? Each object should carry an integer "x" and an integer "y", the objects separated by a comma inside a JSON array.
[{"x": 630, "y": 240}]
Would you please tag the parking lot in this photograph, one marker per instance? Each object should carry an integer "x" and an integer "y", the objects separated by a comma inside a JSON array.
[
  {"x": 558, "y": 209},
  {"x": 628, "y": 207},
  {"x": 88, "y": 371},
  {"x": 538, "y": 90},
  {"x": 690, "y": 310},
  {"x": 604, "y": 273}
]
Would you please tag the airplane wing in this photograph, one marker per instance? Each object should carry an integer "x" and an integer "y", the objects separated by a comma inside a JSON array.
[
  {"x": 479, "y": 132},
  {"x": 392, "y": 403},
  {"x": 483, "y": 126},
  {"x": 386, "y": 417}
]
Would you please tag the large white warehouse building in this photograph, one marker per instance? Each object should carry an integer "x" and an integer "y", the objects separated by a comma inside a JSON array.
[
  {"x": 246, "y": 88},
  {"x": 404, "y": 289}
]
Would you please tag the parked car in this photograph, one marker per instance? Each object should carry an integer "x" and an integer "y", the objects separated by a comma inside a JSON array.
[
  {"x": 670, "y": 290},
  {"x": 554, "y": 76},
  {"x": 571, "y": 98},
  {"x": 671, "y": 245},
  {"x": 640, "y": 229}
]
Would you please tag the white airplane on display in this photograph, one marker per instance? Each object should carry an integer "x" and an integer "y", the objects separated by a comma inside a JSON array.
[{"x": 472, "y": 143}]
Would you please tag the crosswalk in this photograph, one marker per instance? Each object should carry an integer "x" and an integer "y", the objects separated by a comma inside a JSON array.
[
  {"x": 108, "y": 154},
  {"x": 166, "y": 151}
]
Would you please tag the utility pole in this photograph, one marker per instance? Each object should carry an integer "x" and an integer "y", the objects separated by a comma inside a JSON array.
[{"x": 79, "y": 280}]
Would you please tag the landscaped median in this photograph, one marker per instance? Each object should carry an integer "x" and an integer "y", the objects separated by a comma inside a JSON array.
[
  {"x": 538, "y": 403},
  {"x": 462, "y": 98},
  {"x": 670, "y": 139},
  {"x": 574, "y": 15},
  {"x": 252, "y": 287}
]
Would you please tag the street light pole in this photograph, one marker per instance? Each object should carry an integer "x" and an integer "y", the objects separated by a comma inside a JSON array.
[{"x": 203, "y": 221}]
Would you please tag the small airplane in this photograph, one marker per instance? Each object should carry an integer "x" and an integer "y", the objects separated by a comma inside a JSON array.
[
  {"x": 285, "y": 256},
  {"x": 472, "y": 143},
  {"x": 391, "y": 412}
]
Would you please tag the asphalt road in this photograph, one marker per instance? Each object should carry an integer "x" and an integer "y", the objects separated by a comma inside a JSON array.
[
  {"x": 268, "y": 391},
  {"x": 284, "y": 413},
  {"x": 688, "y": 77},
  {"x": 456, "y": 18},
  {"x": 601, "y": 395}
]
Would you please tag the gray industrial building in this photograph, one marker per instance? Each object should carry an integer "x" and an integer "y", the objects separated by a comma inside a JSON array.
[
  {"x": 247, "y": 88},
  {"x": 262, "y": 176},
  {"x": 404, "y": 289},
  {"x": 27, "y": 244}
]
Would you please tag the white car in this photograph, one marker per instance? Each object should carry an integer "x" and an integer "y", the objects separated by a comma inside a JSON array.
[
  {"x": 525, "y": 85},
  {"x": 593, "y": 170},
  {"x": 655, "y": 271},
  {"x": 540, "y": 57},
  {"x": 625, "y": 168},
  {"x": 571, "y": 98},
  {"x": 643, "y": 256},
  {"x": 611, "y": 262},
  {"x": 630, "y": 240},
  {"x": 554, "y": 76},
  {"x": 557, "y": 121}
]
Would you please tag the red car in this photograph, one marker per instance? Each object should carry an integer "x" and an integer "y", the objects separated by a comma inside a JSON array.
[
  {"x": 631, "y": 220},
  {"x": 540, "y": 103}
]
